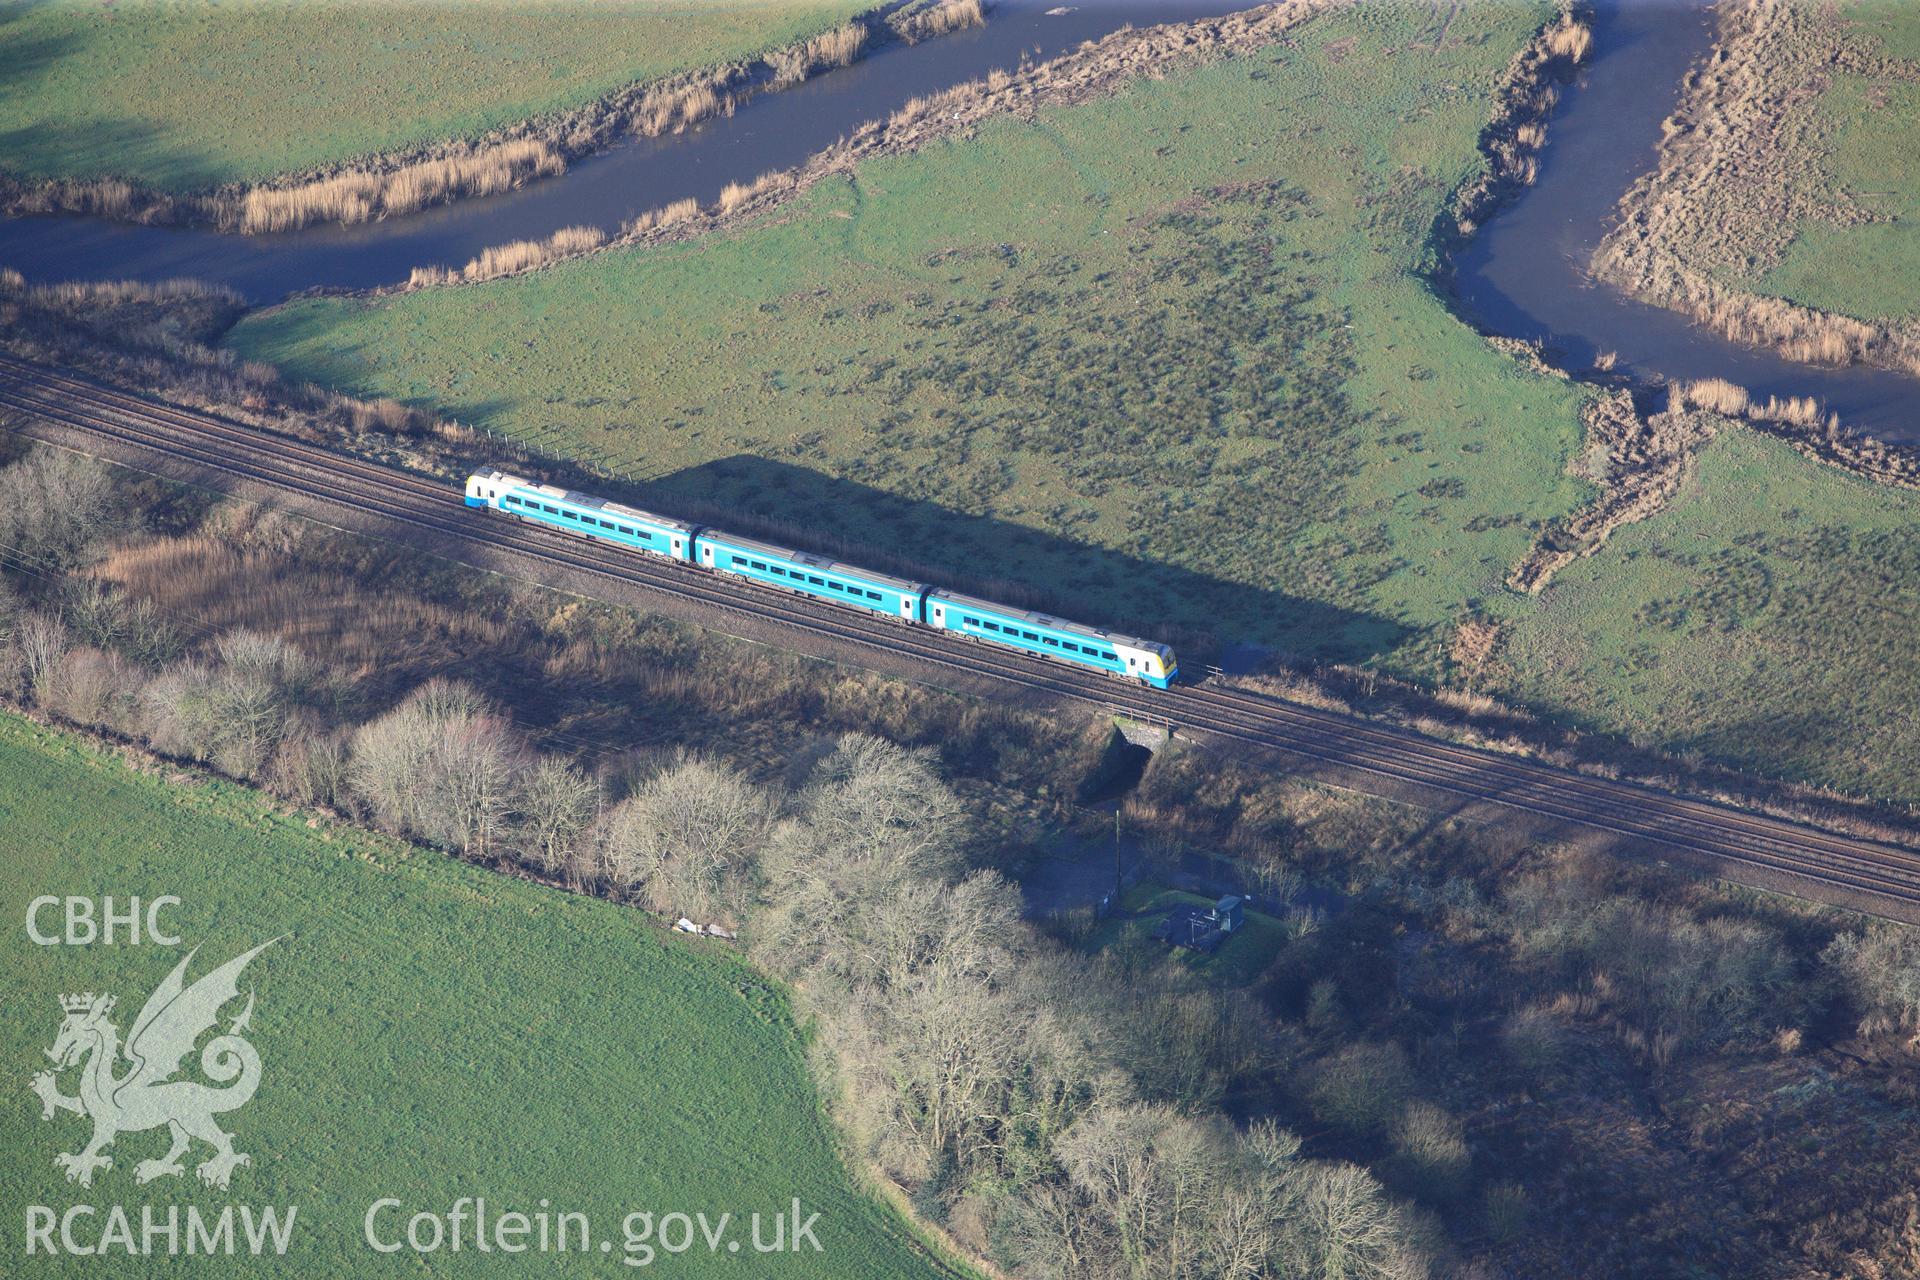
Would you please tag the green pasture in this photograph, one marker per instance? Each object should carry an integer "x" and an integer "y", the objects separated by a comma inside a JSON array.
[
  {"x": 189, "y": 94},
  {"x": 428, "y": 1031}
]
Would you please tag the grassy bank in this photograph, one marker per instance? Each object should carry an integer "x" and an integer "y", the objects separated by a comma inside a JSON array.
[
  {"x": 1183, "y": 369},
  {"x": 1766, "y": 617},
  {"x": 189, "y": 96},
  {"x": 1783, "y": 209},
  {"x": 428, "y": 1030},
  {"x": 1860, "y": 152}
]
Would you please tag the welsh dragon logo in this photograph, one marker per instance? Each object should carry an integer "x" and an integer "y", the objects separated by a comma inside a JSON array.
[{"x": 144, "y": 1096}]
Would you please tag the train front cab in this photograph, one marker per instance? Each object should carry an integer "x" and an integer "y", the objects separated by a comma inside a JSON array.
[{"x": 484, "y": 487}]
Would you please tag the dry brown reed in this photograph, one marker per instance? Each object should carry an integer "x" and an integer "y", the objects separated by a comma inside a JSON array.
[
  {"x": 524, "y": 255},
  {"x": 834, "y": 48},
  {"x": 674, "y": 107},
  {"x": 1571, "y": 39},
  {"x": 937, "y": 20},
  {"x": 678, "y": 211},
  {"x": 354, "y": 196}
]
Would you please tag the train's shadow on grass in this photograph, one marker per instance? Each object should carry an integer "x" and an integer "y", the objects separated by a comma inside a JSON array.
[{"x": 1010, "y": 562}]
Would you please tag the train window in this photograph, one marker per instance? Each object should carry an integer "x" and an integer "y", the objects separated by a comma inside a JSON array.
[
  {"x": 818, "y": 582},
  {"x": 873, "y": 595},
  {"x": 1029, "y": 635}
]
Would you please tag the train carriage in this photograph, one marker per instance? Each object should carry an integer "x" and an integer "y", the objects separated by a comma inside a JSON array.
[
  {"x": 1144, "y": 660},
  {"x": 823, "y": 578},
  {"x": 582, "y": 513},
  {"x": 809, "y": 574}
]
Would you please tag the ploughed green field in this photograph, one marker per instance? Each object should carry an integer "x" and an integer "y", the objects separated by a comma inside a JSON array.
[
  {"x": 1172, "y": 356},
  {"x": 427, "y": 1030},
  {"x": 184, "y": 96},
  {"x": 1867, "y": 127}
]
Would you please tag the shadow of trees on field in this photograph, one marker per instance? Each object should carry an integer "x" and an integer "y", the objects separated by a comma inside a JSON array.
[{"x": 1004, "y": 560}]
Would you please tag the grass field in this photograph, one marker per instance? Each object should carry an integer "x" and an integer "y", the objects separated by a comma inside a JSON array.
[
  {"x": 1768, "y": 617},
  {"x": 185, "y": 96},
  {"x": 1186, "y": 372},
  {"x": 428, "y": 1031},
  {"x": 1868, "y": 127},
  {"x": 1183, "y": 368}
]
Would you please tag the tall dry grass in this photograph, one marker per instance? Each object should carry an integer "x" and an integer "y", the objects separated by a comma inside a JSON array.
[
  {"x": 1571, "y": 39},
  {"x": 823, "y": 52},
  {"x": 667, "y": 216},
  {"x": 671, "y": 108},
  {"x": 938, "y": 20},
  {"x": 354, "y": 197},
  {"x": 523, "y": 255}
]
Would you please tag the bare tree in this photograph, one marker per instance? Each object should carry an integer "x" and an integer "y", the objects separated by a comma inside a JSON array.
[
  {"x": 442, "y": 765},
  {"x": 39, "y": 642},
  {"x": 1347, "y": 1229},
  {"x": 55, "y": 508},
  {"x": 688, "y": 838},
  {"x": 557, "y": 807}
]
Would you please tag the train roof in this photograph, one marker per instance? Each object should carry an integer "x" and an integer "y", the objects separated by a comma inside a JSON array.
[
  {"x": 1056, "y": 624},
  {"x": 810, "y": 559},
  {"x": 575, "y": 498}
]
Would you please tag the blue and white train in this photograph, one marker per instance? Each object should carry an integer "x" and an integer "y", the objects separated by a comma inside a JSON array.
[{"x": 822, "y": 578}]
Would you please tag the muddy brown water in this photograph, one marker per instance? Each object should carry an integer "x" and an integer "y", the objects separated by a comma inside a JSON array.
[{"x": 1524, "y": 275}]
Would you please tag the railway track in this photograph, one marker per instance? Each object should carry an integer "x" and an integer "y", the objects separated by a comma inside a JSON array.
[{"x": 1823, "y": 863}]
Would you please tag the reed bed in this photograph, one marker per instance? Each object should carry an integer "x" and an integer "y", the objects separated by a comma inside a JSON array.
[{"x": 354, "y": 196}]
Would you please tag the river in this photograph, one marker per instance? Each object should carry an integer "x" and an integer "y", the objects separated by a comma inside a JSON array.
[
  {"x": 1523, "y": 275},
  {"x": 772, "y": 131}
]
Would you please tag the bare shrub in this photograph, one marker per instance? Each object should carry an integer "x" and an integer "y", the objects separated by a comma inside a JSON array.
[
  {"x": 56, "y": 508},
  {"x": 1362, "y": 1088},
  {"x": 1879, "y": 969},
  {"x": 1431, "y": 1144},
  {"x": 91, "y": 687}
]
